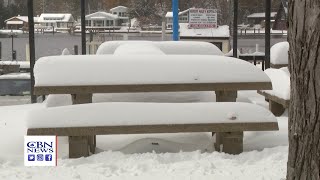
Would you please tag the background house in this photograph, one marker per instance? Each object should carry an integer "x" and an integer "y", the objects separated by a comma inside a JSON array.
[
  {"x": 259, "y": 18},
  {"x": 101, "y": 19},
  {"x": 122, "y": 13},
  {"x": 281, "y": 20},
  {"x": 19, "y": 23},
  {"x": 183, "y": 18},
  {"x": 57, "y": 21}
]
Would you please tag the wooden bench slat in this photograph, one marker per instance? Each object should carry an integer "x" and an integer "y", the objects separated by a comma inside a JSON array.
[
  {"x": 143, "y": 129},
  {"x": 285, "y": 103},
  {"x": 89, "y": 89}
]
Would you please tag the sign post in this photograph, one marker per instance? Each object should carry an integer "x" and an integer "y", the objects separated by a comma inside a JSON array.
[
  {"x": 175, "y": 20},
  {"x": 202, "y": 18}
]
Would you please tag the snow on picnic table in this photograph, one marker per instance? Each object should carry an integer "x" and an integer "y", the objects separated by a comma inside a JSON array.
[
  {"x": 279, "y": 53},
  {"x": 147, "y": 114},
  {"x": 167, "y": 47},
  {"x": 143, "y": 69},
  {"x": 280, "y": 79}
]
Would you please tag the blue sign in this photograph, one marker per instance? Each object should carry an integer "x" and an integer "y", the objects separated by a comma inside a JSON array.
[
  {"x": 40, "y": 151},
  {"x": 31, "y": 157}
]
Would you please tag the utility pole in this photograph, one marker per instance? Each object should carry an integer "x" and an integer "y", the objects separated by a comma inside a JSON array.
[
  {"x": 267, "y": 34},
  {"x": 83, "y": 27},
  {"x": 235, "y": 28},
  {"x": 32, "y": 48}
]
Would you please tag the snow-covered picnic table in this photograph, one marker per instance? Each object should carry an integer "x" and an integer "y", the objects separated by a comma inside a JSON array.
[
  {"x": 147, "y": 73},
  {"x": 82, "y": 76}
]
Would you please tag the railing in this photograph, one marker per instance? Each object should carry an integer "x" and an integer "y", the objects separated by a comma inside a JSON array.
[{"x": 243, "y": 32}]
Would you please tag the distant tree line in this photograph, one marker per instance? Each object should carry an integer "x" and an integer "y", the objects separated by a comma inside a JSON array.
[{"x": 147, "y": 11}]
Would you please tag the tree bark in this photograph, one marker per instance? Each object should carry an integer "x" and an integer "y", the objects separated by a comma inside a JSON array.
[{"x": 304, "y": 112}]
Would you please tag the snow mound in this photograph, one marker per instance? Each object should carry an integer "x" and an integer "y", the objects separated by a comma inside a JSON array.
[
  {"x": 279, "y": 53},
  {"x": 255, "y": 165},
  {"x": 143, "y": 69},
  {"x": 138, "y": 49},
  {"x": 126, "y": 114},
  {"x": 230, "y": 53},
  {"x": 55, "y": 100},
  {"x": 167, "y": 47},
  {"x": 159, "y": 145},
  {"x": 189, "y": 47},
  {"x": 65, "y": 52},
  {"x": 280, "y": 83}
]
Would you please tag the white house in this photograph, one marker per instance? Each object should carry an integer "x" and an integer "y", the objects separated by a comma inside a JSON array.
[
  {"x": 56, "y": 20},
  {"x": 183, "y": 18},
  {"x": 101, "y": 19},
  {"x": 118, "y": 16},
  {"x": 122, "y": 13}
]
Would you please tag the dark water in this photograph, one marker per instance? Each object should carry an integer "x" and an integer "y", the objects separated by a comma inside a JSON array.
[
  {"x": 45, "y": 45},
  {"x": 49, "y": 44}
]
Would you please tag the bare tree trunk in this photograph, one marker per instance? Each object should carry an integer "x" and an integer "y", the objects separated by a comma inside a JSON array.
[{"x": 304, "y": 113}]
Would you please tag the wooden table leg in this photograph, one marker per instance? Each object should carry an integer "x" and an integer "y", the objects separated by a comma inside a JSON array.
[
  {"x": 226, "y": 96},
  {"x": 223, "y": 96},
  {"x": 233, "y": 142},
  {"x": 92, "y": 143},
  {"x": 81, "y": 98},
  {"x": 276, "y": 108},
  {"x": 78, "y": 146}
]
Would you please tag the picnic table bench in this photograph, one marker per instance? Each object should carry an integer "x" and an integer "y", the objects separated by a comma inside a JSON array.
[
  {"x": 277, "y": 105},
  {"x": 207, "y": 73},
  {"x": 279, "y": 96}
]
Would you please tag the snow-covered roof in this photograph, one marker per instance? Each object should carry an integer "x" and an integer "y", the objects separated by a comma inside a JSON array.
[
  {"x": 22, "y": 18},
  {"x": 16, "y": 76},
  {"x": 121, "y": 8},
  {"x": 221, "y": 31},
  {"x": 14, "y": 22},
  {"x": 101, "y": 15},
  {"x": 55, "y": 17},
  {"x": 261, "y": 15},
  {"x": 170, "y": 14},
  {"x": 23, "y": 64}
]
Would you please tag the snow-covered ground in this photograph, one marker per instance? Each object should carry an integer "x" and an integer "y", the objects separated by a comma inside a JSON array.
[{"x": 177, "y": 156}]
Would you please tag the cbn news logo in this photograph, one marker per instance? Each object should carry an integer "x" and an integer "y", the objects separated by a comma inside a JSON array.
[{"x": 40, "y": 150}]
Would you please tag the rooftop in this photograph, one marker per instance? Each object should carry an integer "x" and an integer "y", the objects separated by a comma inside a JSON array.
[
  {"x": 261, "y": 15},
  {"x": 55, "y": 17}
]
